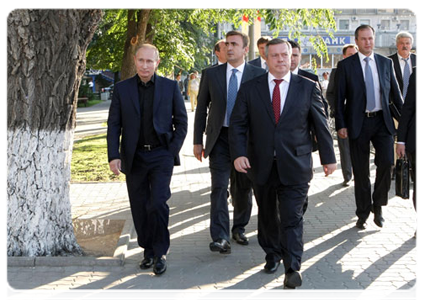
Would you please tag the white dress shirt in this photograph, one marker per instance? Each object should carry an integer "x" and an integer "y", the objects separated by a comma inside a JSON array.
[
  {"x": 283, "y": 87},
  {"x": 402, "y": 64},
  {"x": 238, "y": 74},
  {"x": 375, "y": 75}
]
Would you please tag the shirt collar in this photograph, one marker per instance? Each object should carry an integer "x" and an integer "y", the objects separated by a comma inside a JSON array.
[
  {"x": 150, "y": 82},
  {"x": 295, "y": 71},
  {"x": 362, "y": 56},
  {"x": 400, "y": 57},
  {"x": 240, "y": 68},
  {"x": 286, "y": 78}
]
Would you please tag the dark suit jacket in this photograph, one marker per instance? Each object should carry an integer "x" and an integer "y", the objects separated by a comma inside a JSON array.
[
  {"x": 211, "y": 103},
  {"x": 253, "y": 117},
  {"x": 407, "y": 126},
  {"x": 256, "y": 62},
  {"x": 169, "y": 119},
  {"x": 397, "y": 68},
  {"x": 350, "y": 105},
  {"x": 331, "y": 93}
]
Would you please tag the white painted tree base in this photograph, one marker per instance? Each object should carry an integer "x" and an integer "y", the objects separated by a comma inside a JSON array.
[{"x": 39, "y": 210}]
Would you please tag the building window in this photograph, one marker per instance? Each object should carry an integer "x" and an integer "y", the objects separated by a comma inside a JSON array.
[
  {"x": 364, "y": 21},
  {"x": 366, "y": 10},
  {"x": 404, "y": 25},
  {"x": 405, "y": 10},
  {"x": 385, "y": 24},
  {"x": 385, "y": 10},
  {"x": 344, "y": 24}
]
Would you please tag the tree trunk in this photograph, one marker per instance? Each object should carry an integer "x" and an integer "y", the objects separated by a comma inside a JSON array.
[
  {"x": 46, "y": 60},
  {"x": 135, "y": 35}
]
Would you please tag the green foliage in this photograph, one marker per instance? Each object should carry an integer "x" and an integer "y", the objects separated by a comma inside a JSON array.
[{"x": 185, "y": 37}]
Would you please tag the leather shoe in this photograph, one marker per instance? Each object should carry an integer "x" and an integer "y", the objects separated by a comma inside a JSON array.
[
  {"x": 159, "y": 265},
  {"x": 378, "y": 219},
  {"x": 146, "y": 263},
  {"x": 240, "y": 238},
  {"x": 271, "y": 266},
  {"x": 361, "y": 224},
  {"x": 221, "y": 245},
  {"x": 292, "y": 280}
]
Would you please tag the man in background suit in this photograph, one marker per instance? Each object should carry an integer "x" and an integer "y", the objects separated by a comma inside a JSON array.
[
  {"x": 220, "y": 52},
  {"x": 216, "y": 98},
  {"x": 270, "y": 141},
  {"x": 147, "y": 125},
  {"x": 409, "y": 137},
  {"x": 261, "y": 60},
  {"x": 343, "y": 144},
  {"x": 365, "y": 85},
  {"x": 404, "y": 60}
]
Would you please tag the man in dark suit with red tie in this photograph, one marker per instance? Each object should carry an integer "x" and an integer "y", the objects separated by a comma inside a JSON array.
[
  {"x": 216, "y": 98},
  {"x": 147, "y": 126},
  {"x": 270, "y": 141},
  {"x": 365, "y": 85},
  {"x": 409, "y": 137}
]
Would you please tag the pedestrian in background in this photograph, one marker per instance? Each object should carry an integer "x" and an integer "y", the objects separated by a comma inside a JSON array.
[
  {"x": 193, "y": 87},
  {"x": 365, "y": 84},
  {"x": 406, "y": 133}
]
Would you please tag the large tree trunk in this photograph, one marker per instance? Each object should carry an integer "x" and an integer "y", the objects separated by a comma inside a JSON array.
[
  {"x": 46, "y": 60},
  {"x": 135, "y": 35}
]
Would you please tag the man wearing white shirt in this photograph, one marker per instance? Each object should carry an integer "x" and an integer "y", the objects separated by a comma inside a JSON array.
[
  {"x": 403, "y": 58},
  {"x": 261, "y": 60},
  {"x": 216, "y": 99},
  {"x": 365, "y": 84},
  {"x": 270, "y": 141}
]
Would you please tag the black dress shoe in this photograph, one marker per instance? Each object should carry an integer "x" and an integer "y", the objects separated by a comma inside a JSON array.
[
  {"x": 221, "y": 245},
  {"x": 159, "y": 265},
  {"x": 146, "y": 263},
  {"x": 379, "y": 220},
  {"x": 271, "y": 266},
  {"x": 240, "y": 238},
  {"x": 292, "y": 280},
  {"x": 361, "y": 224}
]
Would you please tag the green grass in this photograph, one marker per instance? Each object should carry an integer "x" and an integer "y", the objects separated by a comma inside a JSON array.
[
  {"x": 90, "y": 103},
  {"x": 89, "y": 161}
]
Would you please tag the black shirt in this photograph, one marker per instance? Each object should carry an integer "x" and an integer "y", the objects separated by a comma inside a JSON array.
[{"x": 148, "y": 135}]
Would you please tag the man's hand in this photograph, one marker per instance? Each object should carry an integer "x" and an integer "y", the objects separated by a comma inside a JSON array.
[
  {"x": 199, "y": 152},
  {"x": 400, "y": 150},
  {"x": 343, "y": 133},
  {"x": 329, "y": 169},
  {"x": 115, "y": 166},
  {"x": 241, "y": 164}
]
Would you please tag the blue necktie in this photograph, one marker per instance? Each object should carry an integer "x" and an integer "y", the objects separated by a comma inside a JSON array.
[
  {"x": 406, "y": 77},
  {"x": 370, "y": 88},
  {"x": 232, "y": 92}
]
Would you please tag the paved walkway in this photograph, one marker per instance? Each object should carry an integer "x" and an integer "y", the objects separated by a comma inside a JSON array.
[{"x": 376, "y": 263}]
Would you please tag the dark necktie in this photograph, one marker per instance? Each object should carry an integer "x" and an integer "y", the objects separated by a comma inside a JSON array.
[
  {"x": 276, "y": 100},
  {"x": 406, "y": 77},
  {"x": 232, "y": 92},
  {"x": 370, "y": 88}
]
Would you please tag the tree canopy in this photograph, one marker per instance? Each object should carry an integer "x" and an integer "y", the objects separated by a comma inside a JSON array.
[{"x": 185, "y": 37}]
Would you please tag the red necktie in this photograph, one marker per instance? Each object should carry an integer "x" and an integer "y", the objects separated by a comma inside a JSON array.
[{"x": 276, "y": 100}]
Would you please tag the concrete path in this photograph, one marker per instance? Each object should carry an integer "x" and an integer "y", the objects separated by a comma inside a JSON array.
[{"x": 339, "y": 261}]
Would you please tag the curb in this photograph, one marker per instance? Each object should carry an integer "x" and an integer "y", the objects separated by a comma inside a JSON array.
[{"x": 118, "y": 258}]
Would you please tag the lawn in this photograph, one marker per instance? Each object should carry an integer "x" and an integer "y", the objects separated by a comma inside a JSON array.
[{"x": 89, "y": 161}]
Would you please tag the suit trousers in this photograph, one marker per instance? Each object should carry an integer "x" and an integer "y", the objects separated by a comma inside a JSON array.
[
  {"x": 280, "y": 220},
  {"x": 222, "y": 170},
  {"x": 415, "y": 167},
  {"x": 344, "y": 153},
  {"x": 373, "y": 130},
  {"x": 149, "y": 189}
]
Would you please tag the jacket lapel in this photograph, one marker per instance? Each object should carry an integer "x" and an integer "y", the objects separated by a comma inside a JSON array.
[
  {"x": 264, "y": 94},
  {"x": 158, "y": 89},
  {"x": 221, "y": 79},
  {"x": 133, "y": 95},
  {"x": 290, "y": 97}
]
